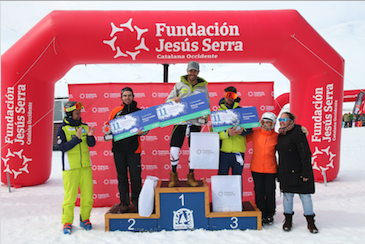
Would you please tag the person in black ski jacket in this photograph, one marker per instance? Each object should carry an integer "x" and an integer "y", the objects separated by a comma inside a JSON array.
[
  {"x": 127, "y": 155},
  {"x": 295, "y": 173}
]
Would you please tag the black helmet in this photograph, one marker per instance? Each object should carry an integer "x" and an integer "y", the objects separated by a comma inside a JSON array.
[{"x": 71, "y": 106}]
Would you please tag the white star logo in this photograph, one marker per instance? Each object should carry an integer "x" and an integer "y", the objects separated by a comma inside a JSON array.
[
  {"x": 323, "y": 152},
  {"x": 119, "y": 51},
  {"x": 12, "y": 170}
]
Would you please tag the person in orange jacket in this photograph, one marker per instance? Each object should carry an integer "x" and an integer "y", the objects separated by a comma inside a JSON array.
[
  {"x": 127, "y": 155},
  {"x": 264, "y": 166}
]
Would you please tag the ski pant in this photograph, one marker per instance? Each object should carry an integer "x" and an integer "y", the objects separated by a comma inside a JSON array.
[
  {"x": 132, "y": 162},
  {"x": 177, "y": 140},
  {"x": 72, "y": 180},
  {"x": 179, "y": 132},
  {"x": 228, "y": 160},
  {"x": 264, "y": 187}
]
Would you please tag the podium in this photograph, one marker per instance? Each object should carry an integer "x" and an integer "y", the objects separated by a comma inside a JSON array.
[{"x": 183, "y": 208}]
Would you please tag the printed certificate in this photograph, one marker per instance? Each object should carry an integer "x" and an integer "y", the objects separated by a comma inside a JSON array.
[
  {"x": 188, "y": 108},
  {"x": 129, "y": 124},
  {"x": 224, "y": 119}
]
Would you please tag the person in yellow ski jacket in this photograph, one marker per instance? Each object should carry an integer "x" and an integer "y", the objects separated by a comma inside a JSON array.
[
  {"x": 232, "y": 140},
  {"x": 74, "y": 139}
]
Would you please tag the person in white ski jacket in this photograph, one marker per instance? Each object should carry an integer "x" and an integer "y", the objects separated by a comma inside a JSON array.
[{"x": 189, "y": 85}]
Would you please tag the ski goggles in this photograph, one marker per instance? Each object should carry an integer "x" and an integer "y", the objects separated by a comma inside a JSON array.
[
  {"x": 77, "y": 105},
  {"x": 231, "y": 95},
  {"x": 266, "y": 121},
  {"x": 284, "y": 119}
]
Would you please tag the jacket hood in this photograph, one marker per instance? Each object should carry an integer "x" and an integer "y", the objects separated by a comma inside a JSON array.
[
  {"x": 201, "y": 81},
  {"x": 71, "y": 122}
]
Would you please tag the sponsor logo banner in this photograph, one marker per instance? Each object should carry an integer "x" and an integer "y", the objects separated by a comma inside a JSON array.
[{"x": 155, "y": 155}]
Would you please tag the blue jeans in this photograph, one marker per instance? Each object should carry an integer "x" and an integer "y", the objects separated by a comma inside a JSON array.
[{"x": 306, "y": 201}]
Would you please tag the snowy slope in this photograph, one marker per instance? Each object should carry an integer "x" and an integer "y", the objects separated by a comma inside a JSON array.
[{"x": 33, "y": 214}]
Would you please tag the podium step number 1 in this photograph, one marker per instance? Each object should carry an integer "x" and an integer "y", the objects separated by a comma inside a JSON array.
[{"x": 183, "y": 208}]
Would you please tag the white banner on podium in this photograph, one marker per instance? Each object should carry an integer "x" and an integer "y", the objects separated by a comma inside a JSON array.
[
  {"x": 227, "y": 193},
  {"x": 204, "y": 150}
]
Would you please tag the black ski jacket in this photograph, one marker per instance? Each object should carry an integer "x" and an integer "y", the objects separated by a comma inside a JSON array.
[{"x": 295, "y": 162}]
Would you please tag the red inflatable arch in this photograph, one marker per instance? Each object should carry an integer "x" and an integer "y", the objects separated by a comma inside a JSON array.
[
  {"x": 351, "y": 95},
  {"x": 64, "y": 39},
  {"x": 280, "y": 102},
  {"x": 283, "y": 99}
]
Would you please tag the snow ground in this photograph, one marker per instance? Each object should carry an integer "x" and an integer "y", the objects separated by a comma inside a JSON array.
[{"x": 33, "y": 214}]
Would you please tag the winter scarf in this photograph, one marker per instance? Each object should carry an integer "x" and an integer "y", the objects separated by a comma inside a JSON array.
[{"x": 284, "y": 130}]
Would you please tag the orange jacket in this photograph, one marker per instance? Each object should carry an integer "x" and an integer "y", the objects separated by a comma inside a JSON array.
[
  {"x": 114, "y": 112},
  {"x": 263, "y": 158},
  {"x": 129, "y": 144}
]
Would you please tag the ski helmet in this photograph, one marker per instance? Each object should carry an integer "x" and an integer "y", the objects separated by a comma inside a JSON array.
[
  {"x": 71, "y": 106},
  {"x": 269, "y": 116}
]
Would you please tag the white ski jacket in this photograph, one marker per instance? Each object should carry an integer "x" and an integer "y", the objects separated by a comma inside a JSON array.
[{"x": 184, "y": 89}]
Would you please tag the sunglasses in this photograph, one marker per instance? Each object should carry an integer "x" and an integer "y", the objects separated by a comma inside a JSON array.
[
  {"x": 284, "y": 119},
  {"x": 230, "y": 95},
  {"x": 77, "y": 105}
]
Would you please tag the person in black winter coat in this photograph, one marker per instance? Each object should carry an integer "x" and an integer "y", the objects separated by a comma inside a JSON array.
[
  {"x": 127, "y": 155},
  {"x": 295, "y": 173}
]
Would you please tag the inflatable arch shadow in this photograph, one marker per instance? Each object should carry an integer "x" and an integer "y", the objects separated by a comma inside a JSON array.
[{"x": 64, "y": 39}]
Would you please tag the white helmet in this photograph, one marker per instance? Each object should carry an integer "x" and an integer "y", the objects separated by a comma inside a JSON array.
[{"x": 269, "y": 116}]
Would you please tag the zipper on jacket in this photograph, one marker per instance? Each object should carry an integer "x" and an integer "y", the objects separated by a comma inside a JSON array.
[{"x": 80, "y": 147}]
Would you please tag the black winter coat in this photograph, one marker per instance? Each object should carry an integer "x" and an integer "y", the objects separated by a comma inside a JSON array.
[
  {"x": 295, "y": 162},
  {"x": 129, "y": 144}
]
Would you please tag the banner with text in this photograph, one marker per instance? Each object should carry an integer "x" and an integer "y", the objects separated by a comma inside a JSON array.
[
  {"x": 244, "y": 117},
  {"x": 100, "y": 99},
  {"x": 191, "y": 107},
  {"x": 129, "y": 124}
]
